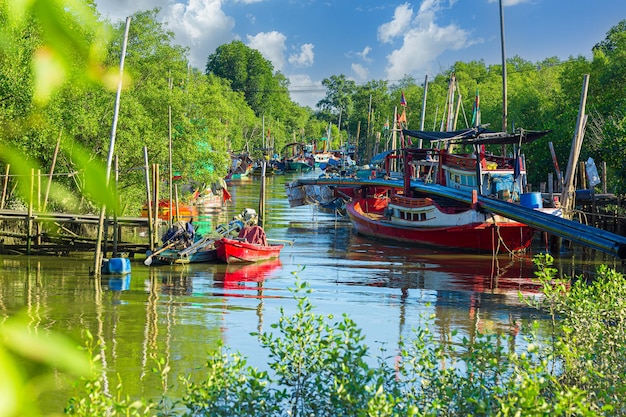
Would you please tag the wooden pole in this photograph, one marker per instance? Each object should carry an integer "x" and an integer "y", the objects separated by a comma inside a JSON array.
[
  {"x": 54, "y": 161},
  {"x": 37, "y": 224},
  {"x": 177, "y": 205},
  {"x": 29, "y": 223},
  {"x": 567, "y": 196},
  {"x": 115, "y": 226},
  {"x": 504, "y": 77},
  {"x": 148, "y": 198},
  {"x": 423, "y": 108},
  {"x": 171, "y": 174},
  {"x": 155, "y": 185},
  {"x": 262, "y": 196},
  {"x": 98, "y": 251},
  {"x": 4, "y": 185},
  {"x": 603, "y": 177}
]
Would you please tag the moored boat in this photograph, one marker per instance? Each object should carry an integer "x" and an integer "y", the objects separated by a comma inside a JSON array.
[
  {"x": 250, "y": 246},
  {"x": 202, "y": 250},
  {"x": 419, "y": 217}
]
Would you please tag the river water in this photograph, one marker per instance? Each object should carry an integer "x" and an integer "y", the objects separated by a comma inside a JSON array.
[{"x": 179, "y": 313}]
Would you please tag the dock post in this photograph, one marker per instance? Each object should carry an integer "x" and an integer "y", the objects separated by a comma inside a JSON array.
[
  {"x": 5, "y": 184},
  {"x": 29, "y": 222},
  {"x": 568, "y": 195},
  {"x": 148, "y": 198}
]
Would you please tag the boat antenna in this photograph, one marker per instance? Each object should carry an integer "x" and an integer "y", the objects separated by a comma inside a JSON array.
[{"x": 504, "y": 93}]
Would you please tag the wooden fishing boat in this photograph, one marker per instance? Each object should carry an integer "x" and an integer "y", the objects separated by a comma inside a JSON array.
[
  {"x": 178, "y": 250},
  {"x": 426, "y": 222},
  {"x": 182, "y": 211},
  {"x": 420, "y": 217},
  {"x": 250, "y": 246},
  {"x": 202, "y": 251}
]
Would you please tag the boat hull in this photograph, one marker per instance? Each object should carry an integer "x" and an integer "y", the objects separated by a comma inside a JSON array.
[
  {"x": 235, "y": 251},
  {"x": 172, "y": 257},
  {"x": 369, "y": 218}
]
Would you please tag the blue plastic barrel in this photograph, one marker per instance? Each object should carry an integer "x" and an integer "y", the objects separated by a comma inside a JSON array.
[
  {"x": 531, "y": 200},
  {"x": 116, "y": 266}
]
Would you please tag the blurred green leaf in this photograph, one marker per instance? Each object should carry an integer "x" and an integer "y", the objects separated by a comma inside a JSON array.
[{"x": 50, "y": 349}]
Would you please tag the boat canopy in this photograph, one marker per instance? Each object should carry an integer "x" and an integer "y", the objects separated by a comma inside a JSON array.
[
  {"x": 478, "y": 136},
  {"x": 380, "y": 158}
]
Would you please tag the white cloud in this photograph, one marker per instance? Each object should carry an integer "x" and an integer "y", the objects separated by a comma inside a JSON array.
[
  {"x": 400, "y": 23},
  {"x": 364, "y": 54},
  {"x": 360, "y": 71},
  {"x": 305, "y": 91},
  {"x": 200, "y": 24},
  {"x": 305, "y": 58},
  {"x": 422, "y": 39},
  {"x": 271, "y": 45}
]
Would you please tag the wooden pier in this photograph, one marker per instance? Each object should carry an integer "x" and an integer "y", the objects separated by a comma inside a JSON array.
[{"x": 62, "y": 233}]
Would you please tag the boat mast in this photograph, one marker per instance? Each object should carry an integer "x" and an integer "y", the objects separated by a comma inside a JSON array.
[
  {"x": 424, "y": 107},
  {"x": 504, "y": 92}
]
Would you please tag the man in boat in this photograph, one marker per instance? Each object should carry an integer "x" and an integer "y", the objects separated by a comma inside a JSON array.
[{"x": 190, "y": 231}]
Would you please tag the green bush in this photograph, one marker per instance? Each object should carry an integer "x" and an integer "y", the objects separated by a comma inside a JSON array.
[{"x": 322, "y": 367}]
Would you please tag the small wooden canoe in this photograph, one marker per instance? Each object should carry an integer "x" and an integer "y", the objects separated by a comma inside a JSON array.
[{"x": 250, "y": 246}]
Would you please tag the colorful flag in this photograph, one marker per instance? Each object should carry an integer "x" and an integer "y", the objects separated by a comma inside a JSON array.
[
  {"x": 403, "y": 100},
  {"x": 386, "y": 126},
  {"x": 402, "y": 117},
  {"x": 476, "y": 110},
  {"x": 226, "y": 195}
]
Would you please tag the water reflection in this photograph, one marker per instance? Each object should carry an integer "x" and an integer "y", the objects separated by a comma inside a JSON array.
[{"x": 180, "y": 312}]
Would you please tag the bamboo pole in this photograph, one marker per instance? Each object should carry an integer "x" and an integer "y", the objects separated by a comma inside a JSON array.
[
  {"x": 567, "y": 196},
  {"x": 171, "y": 174},
  {"x": 148, "y": 198},
  {"x": 115, "y": 229},
  {"x": 54, "y": 161},
  {"x": 177, "y": 205},
  {"x": 4, "y": 185},
  {"x": 423, "y": 108},
  {"x": 98, "y": 252},
  {"x": 37, "y": 224},
  {"x": 29, "y": 222},
  {"x": 155, "y": 201},
  {"x": 262, "y": 196}
]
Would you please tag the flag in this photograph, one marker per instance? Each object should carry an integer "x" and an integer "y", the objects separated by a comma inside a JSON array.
[
  {"x": 476, "y": 110},
  {"x": 402, "y": 117},
  {"x": 226, "y": 195},
  {"x": 403, "y": 100},
  {"x": 386, "y": 126}
]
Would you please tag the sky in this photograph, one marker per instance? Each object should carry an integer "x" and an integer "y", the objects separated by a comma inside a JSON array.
[{"x": 310, "y": 40}]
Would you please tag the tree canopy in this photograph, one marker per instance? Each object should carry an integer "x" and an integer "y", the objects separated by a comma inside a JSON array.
[{"x": 59, "y": 71}]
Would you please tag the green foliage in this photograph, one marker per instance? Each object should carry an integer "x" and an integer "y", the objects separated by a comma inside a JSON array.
[
  {"x": 32, "y": 362},
  {"x": 594, "y": 341},
  {"x": 321, "y": 369}
]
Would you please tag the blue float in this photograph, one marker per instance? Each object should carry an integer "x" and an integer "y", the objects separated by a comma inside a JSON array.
[
  {"x": 117, "y": 266},
  {"x": 531, "y": 200}
]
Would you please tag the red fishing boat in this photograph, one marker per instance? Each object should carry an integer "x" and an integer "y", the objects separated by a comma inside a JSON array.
[
  {"x": 434, "y": 217},
  {"x": 250, "y": 246}
]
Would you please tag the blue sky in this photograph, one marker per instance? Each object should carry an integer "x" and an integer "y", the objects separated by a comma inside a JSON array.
[{"x": 309, "y": 40}]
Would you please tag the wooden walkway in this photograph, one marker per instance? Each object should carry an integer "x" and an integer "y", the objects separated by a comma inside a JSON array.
[{"x": 62, "y": 233}]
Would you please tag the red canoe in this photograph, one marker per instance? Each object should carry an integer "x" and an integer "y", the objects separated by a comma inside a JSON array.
[{"x": 250, "y": 246}]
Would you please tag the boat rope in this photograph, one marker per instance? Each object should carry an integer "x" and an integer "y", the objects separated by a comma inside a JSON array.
[{"x": 501, "y": 242}]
